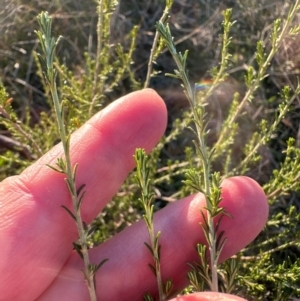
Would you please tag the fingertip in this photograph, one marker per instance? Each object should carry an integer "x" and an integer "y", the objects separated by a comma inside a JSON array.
[
  {"x": 146, "y": 100},
  {"x": 244, "y": 192},
  {"x": 208, "y": 296},
  {"x": 143, "y": 110},
  {"x": 247, "y": 203},
  {"x": 152, "y": 103}
]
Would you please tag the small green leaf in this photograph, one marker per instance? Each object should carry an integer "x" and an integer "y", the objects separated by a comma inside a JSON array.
[
  {"x": 55, "y": 169},
  {"x": 168, "y": 287},
  {"x": 101, "y": 264},
  {"x": 69, "y": 211}
]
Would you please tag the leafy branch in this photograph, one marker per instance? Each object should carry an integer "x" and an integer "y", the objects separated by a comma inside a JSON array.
[
  {"x": 48, "y": 44},
  {"x": 156, "y": 50},
  {"x": 203, "y": 181},
  {"x": 253, "y": 78},
  {"x": 12, "y": 122},
  {"x": 143, "y": 179},
  {"x": 266, "y": 130}
]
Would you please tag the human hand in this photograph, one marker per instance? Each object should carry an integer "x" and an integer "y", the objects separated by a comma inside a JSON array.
[{"x": 36, "y": 234}]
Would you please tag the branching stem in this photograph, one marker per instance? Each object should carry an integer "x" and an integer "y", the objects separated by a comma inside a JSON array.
[
  {"x": 163, "y": 19},
  {"x": 17, "y": 126},
  {"x": 261, "y": 74}
]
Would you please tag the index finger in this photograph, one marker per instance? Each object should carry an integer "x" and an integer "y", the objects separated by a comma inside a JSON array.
[{"x": 36, "y": 235}]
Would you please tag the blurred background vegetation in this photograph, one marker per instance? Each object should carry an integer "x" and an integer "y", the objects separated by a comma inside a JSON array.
[{"x": 126, "y": 45}]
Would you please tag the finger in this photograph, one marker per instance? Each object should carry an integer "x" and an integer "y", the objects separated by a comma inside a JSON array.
[
  {"x": 126, "y": 275},
  {"x": 36, "y": 234},
  {"x": 208, "y": 296}
]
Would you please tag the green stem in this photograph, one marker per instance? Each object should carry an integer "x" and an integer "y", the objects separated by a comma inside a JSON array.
[
  {"x": 146, "y": 200},
  {"x": 48, "y": 44},
  {"x": 72, "y": 186},
  {"x": 210, "y": 219},
  {"x": 21, "y": 131},
  {"x": 98, "y": 55},
  {"x": 163, "y": 19},
  {"x": 266, "y": 136},
  {"x": 224, "y": 55},
  {"x": 198, "y": 116},
  {"x": 212, "y": 234},
  {"x": 162, "y": 296}
]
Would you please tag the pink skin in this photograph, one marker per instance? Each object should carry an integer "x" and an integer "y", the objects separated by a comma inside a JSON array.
[
  {"x": 209, "y": 296},
  {"x": 36, "y": 234}
]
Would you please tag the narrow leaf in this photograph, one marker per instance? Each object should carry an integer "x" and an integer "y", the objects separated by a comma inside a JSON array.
[
  {"x": 100, "y": 264},
  {"x": 80, "y": 200},
  {"x": 69, "y": 211},
  {"x": 149, "y": 248},
  {"x": 55, "y": 169},
  {"x": 152, "y": 268}
]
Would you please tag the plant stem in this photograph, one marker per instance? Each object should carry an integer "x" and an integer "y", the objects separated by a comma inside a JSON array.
[
  {"x": 207, "y": 193},
  {"x": 163, "y": 19},
  {"x": 221, "y": 75},
  {"x": 98, "y": 55},
  {"x": 162, "y": 296},
  {"x": 280, "y": 190},
  {"x": 268, "y": 134},
  {"x": 72, "y": 186},
  {"x": 48, "y": 44},
  {"x": 21, "y": 131},
  {"x": 142, "y": 176},
  {"x": 201, "y": 148}
]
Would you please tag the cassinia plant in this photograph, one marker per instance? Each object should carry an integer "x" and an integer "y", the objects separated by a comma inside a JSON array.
[{"x": 269, "y": 268}]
